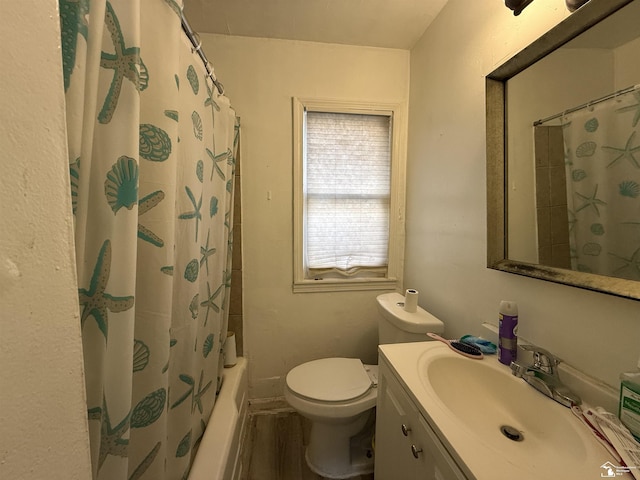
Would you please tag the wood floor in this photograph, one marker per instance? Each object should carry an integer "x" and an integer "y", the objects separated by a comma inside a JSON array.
[{"x": 274, "y": 447}]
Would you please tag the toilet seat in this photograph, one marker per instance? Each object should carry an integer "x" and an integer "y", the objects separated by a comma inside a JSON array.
[{"x": 330, "y": 379}]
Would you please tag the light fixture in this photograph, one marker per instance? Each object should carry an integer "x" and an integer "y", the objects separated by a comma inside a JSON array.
[
  {"x": 573, "y": 5},
  {"x": 517, "y": 5}
]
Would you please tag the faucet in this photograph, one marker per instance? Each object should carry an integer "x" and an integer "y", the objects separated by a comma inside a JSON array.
[{"x": 543, "y": 376}]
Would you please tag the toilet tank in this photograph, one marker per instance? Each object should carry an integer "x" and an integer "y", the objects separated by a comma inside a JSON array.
[{"x": 395, "y": 325}]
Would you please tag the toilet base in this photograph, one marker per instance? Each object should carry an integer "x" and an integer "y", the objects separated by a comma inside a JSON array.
[{"x": 343, "y": 456}]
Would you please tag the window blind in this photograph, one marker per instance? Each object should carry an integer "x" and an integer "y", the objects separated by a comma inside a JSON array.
[{"x": 347, "y": 184}]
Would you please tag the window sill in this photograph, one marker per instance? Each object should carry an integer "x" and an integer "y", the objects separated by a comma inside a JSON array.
[{"x": 334, "y": 285}]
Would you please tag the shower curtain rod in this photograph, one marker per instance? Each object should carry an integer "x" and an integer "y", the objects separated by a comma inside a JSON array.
[
  {"x": 588, "y": 104},
  {"x": 194, "y": 38}
]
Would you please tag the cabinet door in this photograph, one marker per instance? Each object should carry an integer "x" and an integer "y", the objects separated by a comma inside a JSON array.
[
  {"x": 394, "y": 424},
  {"x": 406, "y": 446},
  {"x": 434, "y": 462}
]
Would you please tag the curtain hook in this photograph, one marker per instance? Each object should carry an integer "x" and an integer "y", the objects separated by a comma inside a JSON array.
[
  {"x": 209, "y": 68},
  {"x": 212, "y": 75},
  {"x": 198, "y": 45}
]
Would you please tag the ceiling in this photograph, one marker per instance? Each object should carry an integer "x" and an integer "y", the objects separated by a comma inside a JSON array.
[{"x": 376, "y": 23}]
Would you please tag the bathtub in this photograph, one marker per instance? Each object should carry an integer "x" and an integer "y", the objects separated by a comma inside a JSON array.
[{"x": 218, "y": 457}]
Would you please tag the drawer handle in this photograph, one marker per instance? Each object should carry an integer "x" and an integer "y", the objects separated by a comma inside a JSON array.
[
  {"x": 416, "y": 451},
  {"x": 405, "y": 429}
]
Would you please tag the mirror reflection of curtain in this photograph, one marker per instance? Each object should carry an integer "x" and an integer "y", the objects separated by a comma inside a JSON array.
[
  {"x": 602, "y": 155},
  {"x": 151, "y": 145}
]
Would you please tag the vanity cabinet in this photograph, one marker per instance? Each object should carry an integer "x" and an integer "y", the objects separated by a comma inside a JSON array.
[{"x": 406, "y": 446}]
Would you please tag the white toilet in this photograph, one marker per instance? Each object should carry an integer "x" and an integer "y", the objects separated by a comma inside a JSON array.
[{"x": 338, "y": 394}]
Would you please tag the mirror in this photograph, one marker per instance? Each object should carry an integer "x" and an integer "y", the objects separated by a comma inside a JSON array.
[{"x": 563, "y": 154}]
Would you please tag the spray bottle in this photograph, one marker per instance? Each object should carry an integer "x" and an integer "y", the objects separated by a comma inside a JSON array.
[{"x": 508, "y": 332}]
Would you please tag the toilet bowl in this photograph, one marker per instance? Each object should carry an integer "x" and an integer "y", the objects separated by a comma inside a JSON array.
[{"x": 338, "y": 395}]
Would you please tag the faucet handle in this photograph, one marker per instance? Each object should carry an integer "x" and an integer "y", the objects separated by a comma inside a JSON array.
[{"x": 542, "y": 358}]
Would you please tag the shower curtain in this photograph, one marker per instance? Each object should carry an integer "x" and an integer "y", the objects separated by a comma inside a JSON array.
[
  {"x": 152, "y": 154},
  {"x": 602, "y": 155}
]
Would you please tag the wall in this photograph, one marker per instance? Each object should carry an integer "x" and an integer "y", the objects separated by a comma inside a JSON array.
[
  {"x": 446, "y": 188},
  {"x": 626, "y": 65},
  {"x": 43, "y": 412},
  {"x": 551, "y": 198},
  {"x": 282, "y": 330}
]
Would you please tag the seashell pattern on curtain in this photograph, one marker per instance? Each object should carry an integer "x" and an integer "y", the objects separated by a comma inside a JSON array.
[
  {"x": 152, "y": 148},
  {"x": 602, "y": 160}
]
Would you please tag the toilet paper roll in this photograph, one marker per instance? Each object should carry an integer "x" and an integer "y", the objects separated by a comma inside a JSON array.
[
  {"x": 411, "y": 300},
  {"x": 229, "y": 352}
]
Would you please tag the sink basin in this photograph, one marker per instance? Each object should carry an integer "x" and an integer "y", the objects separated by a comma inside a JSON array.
[
  {"x": 484, "y": 398},
  {"x": 493, "y": 423}
]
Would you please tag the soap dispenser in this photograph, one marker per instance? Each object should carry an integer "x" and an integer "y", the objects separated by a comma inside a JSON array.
[{"x": 629, "y": 407}]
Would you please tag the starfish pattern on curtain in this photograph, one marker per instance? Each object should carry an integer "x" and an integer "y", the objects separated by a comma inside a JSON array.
[
  {"x": 153, "y": 268},
  {"x": 602, "y": 157}
]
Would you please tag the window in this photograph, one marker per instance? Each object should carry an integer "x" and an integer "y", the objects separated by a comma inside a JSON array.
[{"x": 349, "y": 178}]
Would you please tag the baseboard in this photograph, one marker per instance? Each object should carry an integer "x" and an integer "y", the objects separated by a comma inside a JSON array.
[{"x": 258, "y": 406}]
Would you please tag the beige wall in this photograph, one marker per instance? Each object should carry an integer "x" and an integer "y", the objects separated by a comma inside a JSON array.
[
  {"x": 446, "y": 233},
  {"x": 43, "y": 417},
  {"x": 627, "y": 67},
  {"x": 282, "y": 329}
]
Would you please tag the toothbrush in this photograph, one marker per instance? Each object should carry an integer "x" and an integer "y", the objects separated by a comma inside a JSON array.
[{"x": 459, "y": 347}]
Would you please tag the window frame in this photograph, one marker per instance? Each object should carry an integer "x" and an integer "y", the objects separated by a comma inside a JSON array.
[{"x": 393, "y": 278}]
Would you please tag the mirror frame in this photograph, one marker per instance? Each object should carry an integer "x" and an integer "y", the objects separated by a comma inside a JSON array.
[{"x": 496, "y": 130}]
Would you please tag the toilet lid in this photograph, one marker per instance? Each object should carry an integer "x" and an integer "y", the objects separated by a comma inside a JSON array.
[{"x": 330, "y": 379}]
